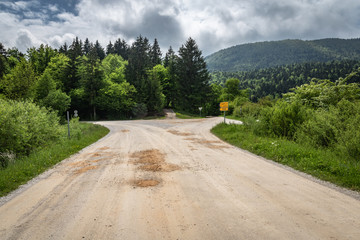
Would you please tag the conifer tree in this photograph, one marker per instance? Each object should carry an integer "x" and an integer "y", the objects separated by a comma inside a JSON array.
[
  {"x": 193, "y": 77},
  {"x": 155, "y": 54}
]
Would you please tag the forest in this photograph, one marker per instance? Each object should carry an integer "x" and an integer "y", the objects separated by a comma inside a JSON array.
[
  {"x": 275, "y": 81},
  {"x": 119, "y": 82},
  {"x": 260, "y": 55}
]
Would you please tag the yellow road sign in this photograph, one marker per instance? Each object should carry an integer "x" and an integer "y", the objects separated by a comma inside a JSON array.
[
  {"x": 224, "y": 104},
  {"x": 224, "y": 109}
]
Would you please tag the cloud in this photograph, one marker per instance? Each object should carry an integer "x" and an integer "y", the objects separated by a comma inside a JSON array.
[{"x": 213, "y": 24}]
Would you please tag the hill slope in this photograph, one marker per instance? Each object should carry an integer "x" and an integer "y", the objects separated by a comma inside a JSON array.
[{"x": 269, "y": 54}]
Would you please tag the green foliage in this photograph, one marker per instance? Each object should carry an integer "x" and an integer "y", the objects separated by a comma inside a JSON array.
[
  {"x": 193, "y": 77},
  {"x": 283, "y": 118},
  {"x": 24, "y": 126},
  {"x": 278, "y": 80},
  {"x": 116, "y": 99},
  {"x": 20, "y": 83},
  {"x": 155, "y": 99},
  {"x": 39, "y": 58},
  {"x": 24, "y": 168},
  {"x": 114, "y": 68},
  {"x": 91, "y": 79},
  {"x": 269, "y": 54}
]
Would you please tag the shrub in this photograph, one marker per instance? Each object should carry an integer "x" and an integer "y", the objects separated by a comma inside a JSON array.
[
  {"x": 25, "y": 126},
  {"x": 283, "y": 118},
  {"x": 319, "y": 130}
]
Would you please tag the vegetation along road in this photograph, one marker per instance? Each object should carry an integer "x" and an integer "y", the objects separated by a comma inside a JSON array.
[{"x": 172, "y": 179}]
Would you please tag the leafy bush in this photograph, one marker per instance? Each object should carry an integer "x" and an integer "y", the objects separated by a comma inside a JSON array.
[
  {"x": 25, "y": 126},
  {"x": 319, "y": 130},
  {"x": 283, "y": 119}
]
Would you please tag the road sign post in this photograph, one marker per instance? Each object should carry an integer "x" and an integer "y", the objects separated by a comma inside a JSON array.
[
  {"x": 200, "y": 108},
  {"x": 224, "y": 106}
]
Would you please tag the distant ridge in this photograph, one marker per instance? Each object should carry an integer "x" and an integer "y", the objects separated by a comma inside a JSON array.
[{"x": 276, "y": 53}]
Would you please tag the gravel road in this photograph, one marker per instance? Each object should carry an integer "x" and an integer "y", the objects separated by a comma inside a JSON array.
[{"x": 172, "y": 179}]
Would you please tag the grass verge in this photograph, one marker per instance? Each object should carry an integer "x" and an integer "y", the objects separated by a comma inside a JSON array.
[
  {"x": 321, "y": 163},
  {"x": 25, "y": 168}
]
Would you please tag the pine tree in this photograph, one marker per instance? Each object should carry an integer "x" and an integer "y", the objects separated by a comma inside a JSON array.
[
  {"x": 139, "y": 63},
  {"x": 193, "y": 77},
  {"x": 122, "y": 49},
  {"x": 155, "y": 54},
  {"x": 99, "y": 50},
  {"x": 87, "y": 46},
  {"x": 110, "y": 48}
]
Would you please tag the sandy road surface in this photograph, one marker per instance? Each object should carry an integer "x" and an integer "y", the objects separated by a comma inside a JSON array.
[{"x": 172, "y": 179}]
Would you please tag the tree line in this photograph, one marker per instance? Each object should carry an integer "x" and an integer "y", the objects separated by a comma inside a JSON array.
[
  {"x": 278, "y": 80},
  {"x": 119, "y": 82}
]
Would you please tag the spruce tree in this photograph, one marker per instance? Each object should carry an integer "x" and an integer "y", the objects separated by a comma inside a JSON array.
[
  {"x": 122, "y": 49},
  {"x": 99, "y": 50},
  {"x": 193, "y": 77},
  {"x": 155, "y": 54},
  {"x": 110, "y": 48},
  {"x": 87, "y": 46}
]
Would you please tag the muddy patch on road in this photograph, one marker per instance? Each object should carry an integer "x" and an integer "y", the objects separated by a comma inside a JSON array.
[
  {"x": 145, "y": 183},
  {"x": 152, "y": 160},
  {"x": 207, "y": 143},
  {"x": 175, "y": 132}
]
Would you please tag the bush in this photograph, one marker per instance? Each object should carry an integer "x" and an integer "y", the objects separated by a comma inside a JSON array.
[
  {"x": 319, "y": 130},
  {"x": 283, "y": 118},
  {"x": 25, "y": 126}
]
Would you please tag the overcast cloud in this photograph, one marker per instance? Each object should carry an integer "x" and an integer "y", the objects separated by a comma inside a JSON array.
[{"x": 213, "y": 24}]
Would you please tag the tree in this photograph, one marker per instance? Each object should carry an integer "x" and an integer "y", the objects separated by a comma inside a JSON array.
[
  {"x": 20, "y": 83},
  {"x": 91, "y": 78},
  {"x": 121, "y": 48},
  {"x": 116, "y": 99},
  {"x": 114, "y": 68},
  {"x": 48, "y": 96},
  {"x": 155, "y": 53},
  {"x": 154, "y": 98},
  {"x": 193, "y": 77},
  {"x": 39, "y": 58},
  {"x": 171, "y": 87},
  {"x": 87, "y": 46},
  {"x": 60, "y": 69},
  {"x": 99, "y": 50},
  {"x": 110, "y": 48},
  {"x": 139, "y": 63}
]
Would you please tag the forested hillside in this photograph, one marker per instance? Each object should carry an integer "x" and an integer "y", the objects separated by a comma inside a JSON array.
[
  {"x": 278, "y": 80},
  {"x": 119, "y": 82},
  {"x": 276, "y": 53}
]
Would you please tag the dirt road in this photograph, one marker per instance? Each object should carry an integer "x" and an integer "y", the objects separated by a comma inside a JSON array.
[{"x": 172, "y": 179}]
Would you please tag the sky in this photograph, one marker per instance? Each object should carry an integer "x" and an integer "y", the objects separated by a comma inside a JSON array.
[{"x": 214, "y": 24}]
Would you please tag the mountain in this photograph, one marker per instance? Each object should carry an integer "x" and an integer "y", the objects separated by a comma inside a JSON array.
[{"x": 276, "y": 53}]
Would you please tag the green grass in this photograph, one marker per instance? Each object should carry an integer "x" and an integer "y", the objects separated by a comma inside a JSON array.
[
  {"x": 324, "y": 164},
  {"x": 25, "y": 168}
]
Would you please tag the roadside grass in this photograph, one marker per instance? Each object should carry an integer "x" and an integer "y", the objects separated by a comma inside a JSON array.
[
  {"x": 321, "y": 163},
  {"x": 25, "y": 168}
]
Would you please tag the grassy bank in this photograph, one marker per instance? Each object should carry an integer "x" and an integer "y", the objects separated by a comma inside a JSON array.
[
  {"x": 22, "y": 169},
  {"x": 321, "y": 163}
]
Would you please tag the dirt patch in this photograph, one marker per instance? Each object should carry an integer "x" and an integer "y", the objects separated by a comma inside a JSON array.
[
  {"x": 166, "y": 167},
  {"x": 207, "y": 143},
  {"x": 179, "y": 133},
  {"x": 146, "y": 183},
  {"x": 125, "y": 131},
  {"x": 153, "y": 160},
  {"x": 104, "y": 148},
  {"x": 85, "y": 169}
]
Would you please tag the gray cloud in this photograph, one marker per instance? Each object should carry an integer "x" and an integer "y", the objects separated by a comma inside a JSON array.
[{"x": 213, "y": 24}]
